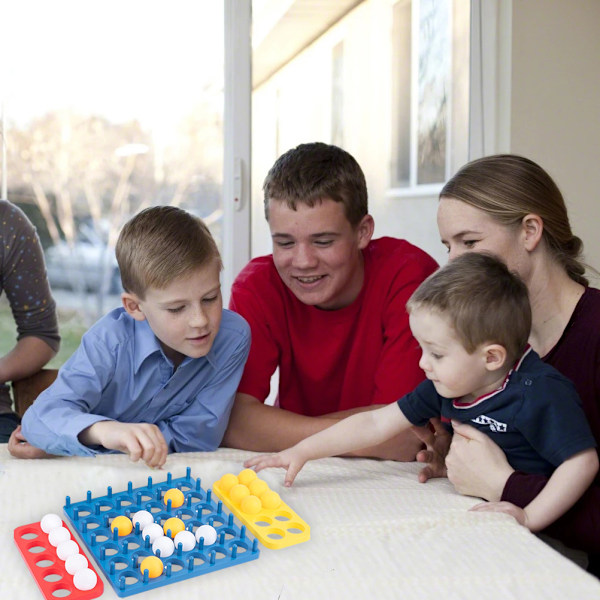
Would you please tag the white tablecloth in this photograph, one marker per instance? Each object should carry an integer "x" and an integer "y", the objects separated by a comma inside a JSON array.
[{"x": 375, "y": 533}]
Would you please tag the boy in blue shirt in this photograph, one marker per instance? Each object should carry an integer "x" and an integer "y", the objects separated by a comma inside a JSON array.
[
  {"x": 472, "y": 320},
  {"x": 158, "y": 375}
]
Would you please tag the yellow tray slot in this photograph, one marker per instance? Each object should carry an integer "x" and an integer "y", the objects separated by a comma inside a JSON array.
[{"x": 261, "y": 510}]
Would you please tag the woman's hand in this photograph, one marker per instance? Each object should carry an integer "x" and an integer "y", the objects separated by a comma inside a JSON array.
[
  {"x": 476, "y": 465},
  {"x": 437, "y": 444}
]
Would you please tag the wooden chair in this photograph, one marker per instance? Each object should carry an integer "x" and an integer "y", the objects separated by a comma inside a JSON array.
[{"x": 26, "y": 390}]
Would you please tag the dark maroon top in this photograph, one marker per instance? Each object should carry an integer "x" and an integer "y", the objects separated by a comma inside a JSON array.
[{"x": 576, "y": 355}]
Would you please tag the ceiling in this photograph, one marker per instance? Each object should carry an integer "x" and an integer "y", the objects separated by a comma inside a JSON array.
[{"x": 283, "y": 29}]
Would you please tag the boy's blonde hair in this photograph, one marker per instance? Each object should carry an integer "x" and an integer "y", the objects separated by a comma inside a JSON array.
[
  {"x": 484, "y": 302},
  {"x": 160, "y": 244}
]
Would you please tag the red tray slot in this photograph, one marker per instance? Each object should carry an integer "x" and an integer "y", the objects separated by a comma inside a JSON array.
[{"x": 41, "y": 558}]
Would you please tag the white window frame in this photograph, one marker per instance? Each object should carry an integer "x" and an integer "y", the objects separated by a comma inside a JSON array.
[
  {"x": 490, "y": 89},
  {"x": 236, "y": 140}
]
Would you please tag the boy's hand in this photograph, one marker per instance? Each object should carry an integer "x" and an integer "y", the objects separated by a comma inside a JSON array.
[
  {"x": 19, "y": 447},
  {"x": 504, "y": 507},
  {"x": 139, "y": 440},
  {"x": 288, "y": 459}
]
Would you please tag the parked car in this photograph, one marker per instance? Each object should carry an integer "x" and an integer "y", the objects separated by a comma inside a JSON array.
[{"x": 86, "y": 264}]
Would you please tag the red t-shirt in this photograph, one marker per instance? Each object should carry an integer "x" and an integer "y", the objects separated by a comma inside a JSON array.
[{"x": 329, "y": 361}]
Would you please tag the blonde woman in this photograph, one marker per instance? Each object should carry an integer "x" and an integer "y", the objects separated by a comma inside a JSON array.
[{"x": 508, "y": 205}]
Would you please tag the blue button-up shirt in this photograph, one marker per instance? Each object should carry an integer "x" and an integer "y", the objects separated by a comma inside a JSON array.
[{"x": 120, "y": 372}]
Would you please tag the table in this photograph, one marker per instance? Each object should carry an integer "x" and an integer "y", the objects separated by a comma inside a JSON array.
[{"x": 375, "y": 533}]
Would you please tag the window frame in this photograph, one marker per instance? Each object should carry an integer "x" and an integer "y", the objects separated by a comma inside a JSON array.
[{"x": 237, "y": 122}]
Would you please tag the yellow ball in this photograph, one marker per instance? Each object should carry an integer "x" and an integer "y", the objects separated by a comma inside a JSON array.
[
  {"x": 238, "y": 492},
  {"x": 175, "y": 525},
  {"x": 175, "y": 496},
  {"x": 123, "y": 524},
  {"x": 228, "y": 481},
  {"x": 258, "y": 487},
  {"x": 246, "y": 476},
  {"x": 153, "y": 565},
  {"x": 270, "y": 500},
  {"x": 251, "y": 505}
]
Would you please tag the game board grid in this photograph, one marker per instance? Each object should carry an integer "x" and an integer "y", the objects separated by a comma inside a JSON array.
[{"x": 119, "y": 557}]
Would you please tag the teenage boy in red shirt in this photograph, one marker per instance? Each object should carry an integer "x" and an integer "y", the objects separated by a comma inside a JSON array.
[{"x": 327, "y": 308}]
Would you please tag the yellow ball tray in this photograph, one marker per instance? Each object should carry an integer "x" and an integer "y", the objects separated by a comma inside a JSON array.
[{"x": 274, "y": 528}]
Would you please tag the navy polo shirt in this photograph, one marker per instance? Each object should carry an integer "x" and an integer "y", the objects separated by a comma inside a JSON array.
[{"x": 535, "y": 416}]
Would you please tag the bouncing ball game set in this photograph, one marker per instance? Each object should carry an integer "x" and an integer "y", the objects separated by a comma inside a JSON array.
[{"x": 150, "y": 536}]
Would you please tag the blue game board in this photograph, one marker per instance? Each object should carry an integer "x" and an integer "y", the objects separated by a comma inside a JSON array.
[{"x": 119, "y": 557}]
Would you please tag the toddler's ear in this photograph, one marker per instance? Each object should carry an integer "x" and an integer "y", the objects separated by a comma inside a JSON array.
[
  {"x": 495, "y": 357},
  {"x": 131, "y": 303}
]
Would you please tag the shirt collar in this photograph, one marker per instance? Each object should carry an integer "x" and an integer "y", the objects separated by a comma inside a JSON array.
[
  {"x": 528, "y": 350},
  {"x": 146, "y": 344}
]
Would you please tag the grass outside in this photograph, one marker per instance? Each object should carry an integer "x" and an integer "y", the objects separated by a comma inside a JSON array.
[{"x": 70, "y": 327}]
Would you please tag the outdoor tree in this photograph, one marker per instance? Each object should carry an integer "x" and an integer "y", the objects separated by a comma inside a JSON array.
[{"x": 85, "y": 172}]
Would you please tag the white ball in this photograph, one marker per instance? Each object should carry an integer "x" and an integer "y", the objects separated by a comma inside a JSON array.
[
  {"x": 143, "y": 517},
  {"x": 66, "y": 549},
  {"x": 208, "y": 533},
  {"x": 165, "y": 545},
  {"x": 85, "y": 579},
  {"x": 154, "y": 530},
  {"x": 186, "y": 539},
  {"x": 58, "y": 535},
  {"x": 75, "y": 563},
  {"x": 50, "y": 522}
]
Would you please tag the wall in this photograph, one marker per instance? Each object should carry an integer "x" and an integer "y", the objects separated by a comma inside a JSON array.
[
  {"x": 294, "y": 106},
  {"x": 545, "y": 98},
  {"x": 555, "y": 103}
]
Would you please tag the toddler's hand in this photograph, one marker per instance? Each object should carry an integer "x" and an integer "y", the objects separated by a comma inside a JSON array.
[
  {"x": 139, "y": 440},
  {"x": 288, "y": 459},
  {"x": 504, "y": 507}
]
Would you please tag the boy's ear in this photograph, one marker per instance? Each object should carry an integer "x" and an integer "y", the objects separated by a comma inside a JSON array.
[
  {"x": 365, "y": 230},
  {"x": 495, "y": 357},
  {"x": 131, "y": 303}
]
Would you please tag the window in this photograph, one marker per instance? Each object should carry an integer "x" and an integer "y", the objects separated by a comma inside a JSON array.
[
  {"x": 388, "y": 80},
  {"x": 108, "y": 111},
  {"x": 421, "y": 92}
]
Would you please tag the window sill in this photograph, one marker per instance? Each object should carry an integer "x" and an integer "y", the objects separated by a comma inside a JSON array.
[{"x": 415, "y": 191}]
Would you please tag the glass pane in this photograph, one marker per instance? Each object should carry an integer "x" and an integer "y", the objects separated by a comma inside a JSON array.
[
  {"x": 434, "y": 75},
  {"x": 109, "y": 108}
]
